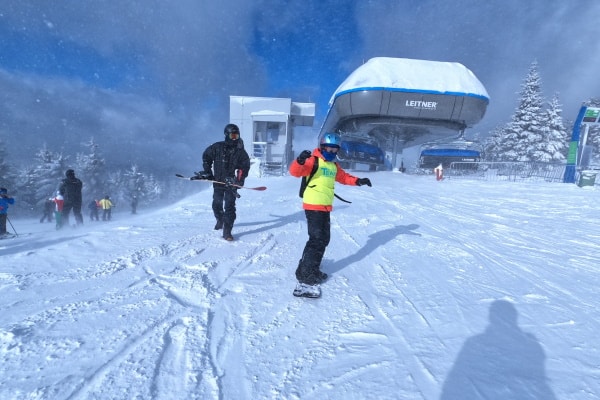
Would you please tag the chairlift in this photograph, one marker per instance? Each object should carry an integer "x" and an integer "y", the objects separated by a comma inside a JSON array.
[{"x": 446, "y": 152}]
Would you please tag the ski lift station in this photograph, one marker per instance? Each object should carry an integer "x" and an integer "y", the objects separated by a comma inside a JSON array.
[
  {"x": 395, "y": 103},
  {"x": 385, "y": 105},
  {"x": 270, "y": 123}
]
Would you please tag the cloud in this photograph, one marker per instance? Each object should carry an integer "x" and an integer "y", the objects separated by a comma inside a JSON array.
[
  {"x": 155, "y": 73},
  {"x": 497, "y": 40}
]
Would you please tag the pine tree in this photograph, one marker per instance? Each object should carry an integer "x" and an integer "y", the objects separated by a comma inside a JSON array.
[
  {"x": 140, "y": 185},
  {"x": 554, "y": 144},
  {"x": 7, "y": 174},
  {"x": 521, "y": 138},
  {"x": 134, "y": 182},
  {"x": 47, "y": 173},
  {"x": 528, "y": 120},
  {"x": 40, "y": 180},
  {"x": 92, "y": 171},
  {"x": 493, "y": 144}
]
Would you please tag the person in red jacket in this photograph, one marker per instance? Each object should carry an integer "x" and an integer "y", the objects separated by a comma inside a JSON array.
[
  {"x": 318, "y": 204},
  {"x": 60, "y": 202}
]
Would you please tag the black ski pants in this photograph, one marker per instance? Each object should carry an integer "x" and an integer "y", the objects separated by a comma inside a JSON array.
[
  {"x": 319, "y": 234},
  {"x": 223, "y": 206},
  {"x": 76, "y": 207}
]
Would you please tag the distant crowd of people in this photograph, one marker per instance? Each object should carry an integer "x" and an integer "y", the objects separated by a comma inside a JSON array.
[{"x": 67, "y": 198}]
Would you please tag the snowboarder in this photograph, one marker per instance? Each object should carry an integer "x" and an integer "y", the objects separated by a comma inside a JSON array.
[
  {"x": 48, "y": 209},
  {"x": 5, "y": 201},
  {"x": 230, "y": 163},
  {"x": 318, "y": 204},
  {"x": 70, "y": 189}
]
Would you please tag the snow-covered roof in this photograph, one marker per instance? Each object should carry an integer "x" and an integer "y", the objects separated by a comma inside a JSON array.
[{"x": 403, "y": 74}]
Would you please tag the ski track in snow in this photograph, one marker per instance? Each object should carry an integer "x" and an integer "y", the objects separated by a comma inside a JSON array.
[{"x": 174, "y": 340}]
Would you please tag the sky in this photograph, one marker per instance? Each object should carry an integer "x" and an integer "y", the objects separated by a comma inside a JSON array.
[
  {"x": 446, "y": 290},
  {"x": 151, "y": 81}
]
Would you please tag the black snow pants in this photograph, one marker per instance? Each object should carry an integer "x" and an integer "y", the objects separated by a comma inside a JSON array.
[
  {"x": 76, "y": 207},
  {"x": 319, "y": 227},
  {"x": 223, "y": 206}
]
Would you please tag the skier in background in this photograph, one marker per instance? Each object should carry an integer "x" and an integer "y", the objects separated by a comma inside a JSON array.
[
  {"x": 5, "y": 201},
  {"x": 48, "y": 210},
  {"x": 134, "y": 204},
  {"x": 106, "y": 206},
  {"x": 70, "y": 189},
  {"x": 230, "y": 163},
  {"x": 58, "y": 209},
  {"x": 93, "y": 206}
]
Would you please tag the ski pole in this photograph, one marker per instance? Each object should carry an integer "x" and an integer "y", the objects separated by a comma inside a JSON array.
[{"x": 11, "y": 225}]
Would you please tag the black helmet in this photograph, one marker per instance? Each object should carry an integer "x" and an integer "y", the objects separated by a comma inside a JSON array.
[
  {"x": 231, "y": 128},
  {"x": 70, "y": 173}
]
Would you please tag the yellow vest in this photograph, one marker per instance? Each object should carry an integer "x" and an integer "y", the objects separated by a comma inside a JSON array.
[{"x": 320, "y": 188}]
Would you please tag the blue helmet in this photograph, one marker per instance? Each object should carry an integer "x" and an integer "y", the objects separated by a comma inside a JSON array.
[{"x": 330, "y": 139}]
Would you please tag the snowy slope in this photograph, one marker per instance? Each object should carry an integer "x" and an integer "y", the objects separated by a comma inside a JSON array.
[{"x": 438, "y": 290}]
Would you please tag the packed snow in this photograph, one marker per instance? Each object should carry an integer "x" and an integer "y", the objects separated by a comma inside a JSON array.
[
  {"x": 456, "y": 289},
  {"x": 413, "y": 75}
]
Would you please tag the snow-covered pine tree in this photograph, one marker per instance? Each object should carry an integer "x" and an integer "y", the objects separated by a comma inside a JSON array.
[
  {"x": 7, "y": 174},
  {"x": 40, "y": 180},
  {"x": 519, "y": 139},
  {"x": 134, "y": 183},
  {"x": 528, "y": 120},
  {"x": 555, "y": 138},
  {"x": 92, "y": 171},
  {"x": 138, "y": 184},
  {"x": 48, "y": 171},
  {"x": 493, "y": 144}
]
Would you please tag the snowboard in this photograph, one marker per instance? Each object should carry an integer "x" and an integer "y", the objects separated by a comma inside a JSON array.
[{"x": 309, "y": 291}]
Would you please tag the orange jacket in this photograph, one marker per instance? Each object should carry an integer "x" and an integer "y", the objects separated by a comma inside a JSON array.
[{"x": 318, "y": 196}]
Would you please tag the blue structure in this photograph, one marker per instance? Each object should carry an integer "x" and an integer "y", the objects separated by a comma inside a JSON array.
[
  {"x": 587, "y": 116},
  {"x": 446, "y": 152}
]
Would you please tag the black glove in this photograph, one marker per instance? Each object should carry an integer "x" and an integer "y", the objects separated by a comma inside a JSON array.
[
  {"x": 232, "y": 184},
  {"x": 203, "y": 176},
  {"x": 303, "y": 156},
  {"x": 363, "y": 181},
  {"x": 229, "y": 182}
]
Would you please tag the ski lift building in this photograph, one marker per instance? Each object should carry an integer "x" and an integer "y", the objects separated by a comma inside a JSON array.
[
  {"x": 404, "y": 102},
  {"x": 267, "y": 128}
]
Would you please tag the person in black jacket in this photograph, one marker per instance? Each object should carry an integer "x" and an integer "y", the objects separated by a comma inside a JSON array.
[
  {"x": 48, "y": 210},
  {"x": 70, "y": 189},
  {"x": 226, "y": 162}
]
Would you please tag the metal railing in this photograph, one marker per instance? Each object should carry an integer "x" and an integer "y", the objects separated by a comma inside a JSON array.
[{"x": 506, "y": 171}]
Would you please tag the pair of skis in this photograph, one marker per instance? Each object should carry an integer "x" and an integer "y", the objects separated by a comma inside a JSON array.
[{"x": 261, "y": 188}]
